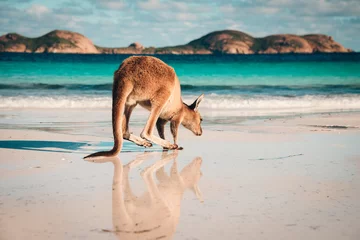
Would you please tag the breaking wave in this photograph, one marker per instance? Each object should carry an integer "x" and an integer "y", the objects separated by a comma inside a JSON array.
[{"x": 211, "y": 103}]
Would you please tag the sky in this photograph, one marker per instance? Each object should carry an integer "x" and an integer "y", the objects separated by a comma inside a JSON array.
[{"x": 117, "y": 23}]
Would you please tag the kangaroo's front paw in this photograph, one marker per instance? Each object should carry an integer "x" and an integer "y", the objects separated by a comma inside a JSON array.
[
  {"x": 180, "y": 148},
  {"x": 170, "y": 147}
]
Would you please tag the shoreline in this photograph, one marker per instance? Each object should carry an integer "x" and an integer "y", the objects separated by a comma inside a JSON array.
[
  {"x": 47, "y": 119},
  {"x": 281, "y": 57},
  {"x": 192, "y": 54}
]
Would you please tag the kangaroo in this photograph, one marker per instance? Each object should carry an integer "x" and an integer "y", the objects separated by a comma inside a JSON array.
[
  {"x": 154, "y": 214},
  {"x": 152, "y": 84}
]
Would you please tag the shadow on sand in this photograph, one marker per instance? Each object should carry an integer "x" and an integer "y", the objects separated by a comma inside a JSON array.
[
  {"x": 45, "y": 146},
  {"x": 70, "y": 147},
  {"x": 155, "y": 213}
]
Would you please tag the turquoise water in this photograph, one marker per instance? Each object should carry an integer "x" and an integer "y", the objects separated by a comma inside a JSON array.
[
  {"x": 233, "y": 73},
  {"x": 241, "y": 83}
]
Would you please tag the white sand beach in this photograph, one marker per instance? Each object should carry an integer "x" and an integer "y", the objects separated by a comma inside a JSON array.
[{"x": 282, "y": 178}]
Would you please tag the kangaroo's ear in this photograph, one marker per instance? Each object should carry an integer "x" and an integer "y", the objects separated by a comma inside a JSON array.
[{"x": 195, "y": 104}]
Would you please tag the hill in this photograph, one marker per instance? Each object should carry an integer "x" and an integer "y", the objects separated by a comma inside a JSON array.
[
  {"x": 219, "y": 42},
  {"x": 56, "y": 41}
]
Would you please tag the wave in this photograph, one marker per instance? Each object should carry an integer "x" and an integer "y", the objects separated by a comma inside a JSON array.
[
  {"x": 55, "y": 102},
  {"x": 281, "y": 90},
  {"x": 44, "y": 86},
  {"x": 281, "y": 102},
  {"x": 210, "y": 105}
]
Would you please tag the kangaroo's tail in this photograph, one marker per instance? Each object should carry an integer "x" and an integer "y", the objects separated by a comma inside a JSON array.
[{"x": 120, "y": 94}]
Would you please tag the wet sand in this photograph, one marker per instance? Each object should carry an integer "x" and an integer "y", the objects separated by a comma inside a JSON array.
[{"x": 279, "y": 178}]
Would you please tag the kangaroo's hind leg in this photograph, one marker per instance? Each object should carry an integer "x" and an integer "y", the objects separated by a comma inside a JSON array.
[{"x": 129, "y": 136}]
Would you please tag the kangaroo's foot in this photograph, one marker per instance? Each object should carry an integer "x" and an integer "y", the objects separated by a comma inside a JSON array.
[
  {"x": 159, "y": 141},
  {"x": 138, "y": 140},
  {"x": 172, "y": 147},
  {"x": 145, "y": 143},
  {"x": 176, "y": 147}
]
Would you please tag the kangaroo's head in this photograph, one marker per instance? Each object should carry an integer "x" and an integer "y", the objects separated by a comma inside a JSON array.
[{"x": 192, "y": 118}]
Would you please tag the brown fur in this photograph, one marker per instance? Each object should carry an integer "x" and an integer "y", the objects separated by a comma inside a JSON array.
[{"x": 152, "y": 84}]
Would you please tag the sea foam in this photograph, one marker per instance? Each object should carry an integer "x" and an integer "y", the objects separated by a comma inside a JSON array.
[{"x": 212, "y": 103}]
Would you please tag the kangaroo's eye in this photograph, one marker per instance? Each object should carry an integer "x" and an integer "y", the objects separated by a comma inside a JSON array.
[{"x": 201, "y": 119}]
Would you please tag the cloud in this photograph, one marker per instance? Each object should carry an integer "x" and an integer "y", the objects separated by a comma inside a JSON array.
[
  {"x": 169, "y": 22},
  {"x": 185, "y": 17},
  {"x": 37, "y": 10},
  {"x": 37, "y": 20},
  {"x": 152, "y": 5},
  {"x": 73, "y": 11},
  {"x": 15, "y": 1},
  {"x": 227, "y": 9},
  {"x": 109, "y": 4},
  {"x": 313, "y": 8},
  {"x": 113, "y": 5},
  {"x": 180, "y": 6}
]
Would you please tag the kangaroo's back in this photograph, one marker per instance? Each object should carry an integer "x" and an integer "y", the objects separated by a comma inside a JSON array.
[{"x": 147, "y": 75}]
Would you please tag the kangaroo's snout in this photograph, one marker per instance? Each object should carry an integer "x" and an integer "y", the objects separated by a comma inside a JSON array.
[{"x": 199, "y": 133}]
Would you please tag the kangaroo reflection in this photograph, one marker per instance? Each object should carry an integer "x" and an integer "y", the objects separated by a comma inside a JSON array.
[{"x": 155, "y": 214}]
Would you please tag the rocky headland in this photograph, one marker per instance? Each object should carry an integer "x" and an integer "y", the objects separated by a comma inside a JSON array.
[{"x": 219, "y": 42}]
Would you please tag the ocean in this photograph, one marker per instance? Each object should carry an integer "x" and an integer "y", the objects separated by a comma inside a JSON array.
[{"x": 234, "y": 85}]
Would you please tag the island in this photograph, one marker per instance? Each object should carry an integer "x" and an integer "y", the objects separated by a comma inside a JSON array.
[{"x": 218, "y": 42}]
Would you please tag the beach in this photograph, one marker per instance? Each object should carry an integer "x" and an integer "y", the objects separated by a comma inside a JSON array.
[
  {"x": 278, "y": 157},
  {"x": 266, "y": 178}
]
